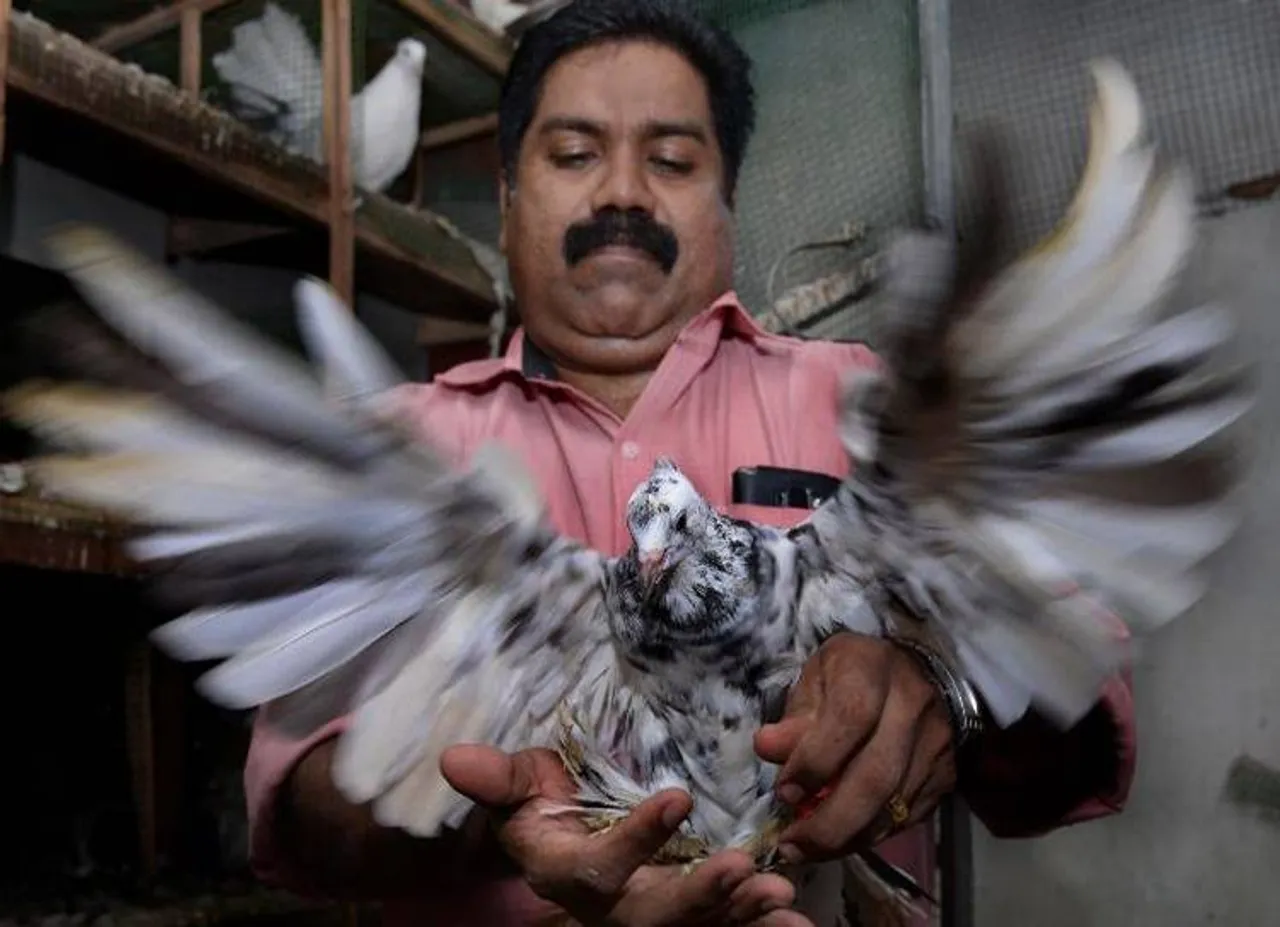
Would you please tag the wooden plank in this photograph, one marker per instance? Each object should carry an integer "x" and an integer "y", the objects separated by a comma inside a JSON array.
[
  {"x": 189, "y": 236},
  {"x": 6, "y": 8},
  {"x": 50, "y": 535},
  {"x": 190, "y": 63},
  {"x": 455, "y": 133},
  {"x": 336, "y": 59},
  {"x": 59, "y": 71},
  {"x": 433, "y": 331},
  {"x": 140, "y": 744},
  {"x": 444, "y": 357},
  {"x": 138, "y": 30},
  {"x": 463, "y": 32}
]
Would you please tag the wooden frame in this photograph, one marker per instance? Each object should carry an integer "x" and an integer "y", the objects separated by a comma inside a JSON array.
[
  {"x": 89, "y": 113},
  {"x": 449, "y": 22},
  {"x": 6, "y": 8}
]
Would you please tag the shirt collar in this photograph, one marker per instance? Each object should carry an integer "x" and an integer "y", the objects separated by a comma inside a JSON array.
[{"x": 524, "y": 359}]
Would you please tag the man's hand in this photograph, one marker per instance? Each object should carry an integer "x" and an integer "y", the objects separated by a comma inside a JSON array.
[
  {"x": 865, "y": 722},
  {"x": 602, "y": 879}
]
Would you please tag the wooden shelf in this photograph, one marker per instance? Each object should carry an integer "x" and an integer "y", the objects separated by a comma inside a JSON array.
[
  {"x": 85, "y": 112},
  {"x": 463, "y": 32},
  {"x": 49, "y": 535}
]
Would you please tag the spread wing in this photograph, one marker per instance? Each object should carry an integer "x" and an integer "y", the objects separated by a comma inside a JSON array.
[
  {"x": 330, "y": 561},
  {"x": 1041, "y": 464}
]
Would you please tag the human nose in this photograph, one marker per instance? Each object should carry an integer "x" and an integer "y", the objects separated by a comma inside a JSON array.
[{"x": 624, "y": 185}]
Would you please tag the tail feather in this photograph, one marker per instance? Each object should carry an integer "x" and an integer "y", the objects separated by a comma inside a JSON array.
[
  {"x": 272, "y": 67},
  {"x": 354, "y": 366},
  {"x": 301, "y": 653},
  {"x": 994, "y": 475}
]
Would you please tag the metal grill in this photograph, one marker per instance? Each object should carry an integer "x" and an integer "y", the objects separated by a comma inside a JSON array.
[
  {"x": 1208, "y": 71},
  {"x": 837, "y": 142}
]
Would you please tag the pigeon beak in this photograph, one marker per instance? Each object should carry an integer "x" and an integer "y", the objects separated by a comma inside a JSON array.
[{"x": 650, "y": 567}]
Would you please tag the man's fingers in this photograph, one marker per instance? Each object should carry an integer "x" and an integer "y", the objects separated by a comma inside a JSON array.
[
  {"x": 661, "y": 895},
  {"x": 633, "y": 841},
  {"x": 775, "y": 742},
  {"x": 490, "y": 777},
  {"x": 826, "y": 745},
  {"x": 708, "y": 889},
  {"x": 931, "y": 773},
  {"x": 783, "y": 919},
  {"x": 871, "y": 778},
  {"x": 758, "y": 896}
]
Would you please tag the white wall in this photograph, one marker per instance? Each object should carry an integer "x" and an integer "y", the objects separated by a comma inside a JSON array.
[{"x": 1208, "y": 690}]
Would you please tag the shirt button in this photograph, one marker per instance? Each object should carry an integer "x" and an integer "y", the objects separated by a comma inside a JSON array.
[{"x": 630, "y": 450}]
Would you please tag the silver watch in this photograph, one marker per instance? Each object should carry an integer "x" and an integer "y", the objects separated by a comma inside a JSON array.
[{"x": 957, "y": 694}]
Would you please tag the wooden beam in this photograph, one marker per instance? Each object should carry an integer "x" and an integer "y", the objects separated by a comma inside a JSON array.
[
  {"x": 188, "y": 236},
  {"x": 433, "y": 331},
  {"x": 189, "y": 61},
  {"x": 455, "y": 133},
  {"x": 140, "y": 743},
  {"x": 115, "y": 38},
  {"x": 444, "y": 357},
  {"x": 6, "y": 8},
  {"x": 337, "y": 137},
  {"x": 59, "y": 79},
  {"x": 462, "y": 31}
]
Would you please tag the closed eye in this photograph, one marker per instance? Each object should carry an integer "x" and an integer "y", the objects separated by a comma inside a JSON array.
[
  {"x": 671, "y": 166},
  {"x": 571, "y": 159}
]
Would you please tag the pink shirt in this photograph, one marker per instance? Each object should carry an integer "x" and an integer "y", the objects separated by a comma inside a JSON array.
[{"x": 727, "y": 395}]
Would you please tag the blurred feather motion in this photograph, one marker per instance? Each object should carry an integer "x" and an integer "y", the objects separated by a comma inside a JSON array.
[
  {"x": 277, "y": 85},
  {"x": 1004, "y": 506}
]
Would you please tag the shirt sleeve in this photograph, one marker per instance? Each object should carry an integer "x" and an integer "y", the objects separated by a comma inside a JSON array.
[
  {"x": 1031, "y": 777},
  {"x": 272, "y": 756}
]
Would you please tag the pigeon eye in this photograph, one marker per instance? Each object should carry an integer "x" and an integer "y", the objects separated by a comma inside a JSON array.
[{"x": 681, "y": 521}]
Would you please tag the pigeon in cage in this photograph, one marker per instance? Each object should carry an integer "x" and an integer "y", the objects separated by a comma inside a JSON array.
[
  {"x": 497, "y": 14},
  {"x": 276, "y": 84},
  {"x": 513, "y": 19},
  {"x": 336, "y": 562}
]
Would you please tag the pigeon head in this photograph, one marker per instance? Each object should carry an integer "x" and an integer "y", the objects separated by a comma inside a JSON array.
[
  {"x": 411, "y": 53},
  {"x": 665, "y": 516},
  {"x": 690, "y": 561}
]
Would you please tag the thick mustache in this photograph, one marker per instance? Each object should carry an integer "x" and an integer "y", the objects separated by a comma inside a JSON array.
[{"x": 632, "y": 228}]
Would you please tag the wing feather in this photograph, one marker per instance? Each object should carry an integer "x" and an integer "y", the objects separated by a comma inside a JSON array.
[
  {"x": 330, "y": 560},
  {"x": 997, "y": 496}
]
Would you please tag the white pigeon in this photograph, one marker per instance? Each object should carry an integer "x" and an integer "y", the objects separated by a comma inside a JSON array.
[
  {"x": 1005, "y": 502},
  {"x": 497, "y": 14},
  {"x": 276, "y": 82}
]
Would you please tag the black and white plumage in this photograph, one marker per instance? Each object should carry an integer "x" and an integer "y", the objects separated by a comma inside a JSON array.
[
  {"x": 276, "y": 82},
  {"x": 336, "y": 563}
]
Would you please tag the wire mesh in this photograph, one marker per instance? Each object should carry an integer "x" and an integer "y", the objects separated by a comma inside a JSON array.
[
  {"x": 1208, "y": 72},
  {"x": 272, "y": 78},
  {"x": 837, "y": 142}
]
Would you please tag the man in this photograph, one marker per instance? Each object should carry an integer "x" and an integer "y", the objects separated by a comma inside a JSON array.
[{"x": 623, "y": 125}]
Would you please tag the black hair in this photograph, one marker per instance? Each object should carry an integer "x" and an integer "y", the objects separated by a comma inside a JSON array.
[{"x": 711, "y": 50}]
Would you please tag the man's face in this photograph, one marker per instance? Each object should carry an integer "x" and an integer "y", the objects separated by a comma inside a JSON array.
[{"x": 623, "y": 131}]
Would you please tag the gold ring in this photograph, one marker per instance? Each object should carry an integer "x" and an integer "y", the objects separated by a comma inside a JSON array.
[{"x": 898, "y": 810}]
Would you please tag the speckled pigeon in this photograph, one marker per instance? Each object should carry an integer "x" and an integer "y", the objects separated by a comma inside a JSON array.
[{"x": 998, "y": 508}]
